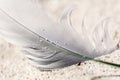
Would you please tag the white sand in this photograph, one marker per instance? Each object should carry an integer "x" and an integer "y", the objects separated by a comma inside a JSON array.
[{"x": 14, "y": 65}]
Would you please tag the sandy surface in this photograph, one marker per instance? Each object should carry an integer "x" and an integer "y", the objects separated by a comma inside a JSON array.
[{"x": 14, "y": 65}]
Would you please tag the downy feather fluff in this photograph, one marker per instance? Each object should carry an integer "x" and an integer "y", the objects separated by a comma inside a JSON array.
[{"x": 48, "y": 44}]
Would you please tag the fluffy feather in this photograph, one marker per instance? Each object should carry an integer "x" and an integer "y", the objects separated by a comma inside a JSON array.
[{"x": 46, "y": 43}]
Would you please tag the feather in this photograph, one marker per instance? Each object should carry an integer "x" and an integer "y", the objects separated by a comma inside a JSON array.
[{"x": 47, "y": 43}]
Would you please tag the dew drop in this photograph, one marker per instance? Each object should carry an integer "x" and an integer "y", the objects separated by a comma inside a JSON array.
[{"x": 40, "y": 40}]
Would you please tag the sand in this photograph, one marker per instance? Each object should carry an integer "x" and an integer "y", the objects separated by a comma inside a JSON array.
[{"x": 14, "y": 65}]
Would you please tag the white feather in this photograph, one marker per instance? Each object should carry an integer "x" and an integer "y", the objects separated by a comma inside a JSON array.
[{"x": 46, "y": 43}]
